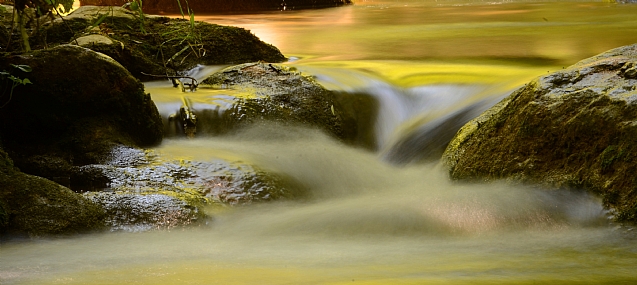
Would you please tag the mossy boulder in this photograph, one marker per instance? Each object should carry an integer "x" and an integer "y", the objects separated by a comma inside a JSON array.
[
  {"x": 37, "y": 206},
  {"x": 79, "y": 105},
  {"x": 265, "y": 91},
  {"x": 575, "y": 128},
  {"x": 164, "y": 45},
  {"x": 221, "y": 6}
]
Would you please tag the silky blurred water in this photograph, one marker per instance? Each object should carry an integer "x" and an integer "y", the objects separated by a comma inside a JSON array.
[{"x": 366, "y": 220}]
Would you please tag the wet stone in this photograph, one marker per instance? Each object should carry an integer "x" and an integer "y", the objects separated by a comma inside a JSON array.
[
  {"x": 570, "y": 129},
  {"x": 144, "y": 192}
]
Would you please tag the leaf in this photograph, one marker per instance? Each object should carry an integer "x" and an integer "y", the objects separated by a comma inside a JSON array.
[
  {"x": 180, "y": 9},
  {"x": 26, "y": 81},
  {"x": 99, "y": 20},
  {"x": 134, "y": 6},
  {"x": 22, "y": 67}
]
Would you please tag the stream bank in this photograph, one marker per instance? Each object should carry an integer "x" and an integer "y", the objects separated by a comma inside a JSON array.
[
  {"x": 84, "y": 116},
  {"x": 220, "y": 6}
]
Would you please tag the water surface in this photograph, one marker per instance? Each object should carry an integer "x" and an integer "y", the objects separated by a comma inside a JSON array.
[{"x": 367, "y": 220}]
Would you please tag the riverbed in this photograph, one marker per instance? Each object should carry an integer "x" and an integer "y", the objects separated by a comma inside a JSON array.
[{"x": 377, "y": 216}]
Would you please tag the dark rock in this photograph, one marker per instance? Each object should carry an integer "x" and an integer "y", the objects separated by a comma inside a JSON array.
[
  {"x": 358, "y": 113},
  {"x": 163, "y": 46},
  {"x": 80, "y": 104},
  {"x": 37, "y": 206},
  {"x": 220, "y": 6},
  {"x": 264, "y": 91},
  {"x": 575, "y": 128}
]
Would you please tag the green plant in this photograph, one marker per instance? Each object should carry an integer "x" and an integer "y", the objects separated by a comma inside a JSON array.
[
  {"x": 186, "y": 39},
  {"x": 13, "y": 81},
  {"x": 41, "y": 8},
  {"x": 192, "y": 37}
]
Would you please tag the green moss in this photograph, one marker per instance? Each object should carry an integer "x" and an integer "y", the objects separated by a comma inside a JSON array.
[
  {"x": 40, "y": 207},
  {"x": 570, "y": 129},
  {"x": 165, "y": 45},
  {"x": 611, "y": 154}
]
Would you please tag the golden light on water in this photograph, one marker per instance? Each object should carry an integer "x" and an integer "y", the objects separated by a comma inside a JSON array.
[{"x": 366, "y": 221}]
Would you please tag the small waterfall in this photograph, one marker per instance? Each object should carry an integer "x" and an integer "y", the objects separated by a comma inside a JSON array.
[
  {"x": 417, "y": 123},
  {"x": 412, "y": 124}
]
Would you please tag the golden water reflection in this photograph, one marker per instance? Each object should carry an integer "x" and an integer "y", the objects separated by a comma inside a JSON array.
[
  {"x": 555, "y": 33},
  {"x": 369, "y": 222}
]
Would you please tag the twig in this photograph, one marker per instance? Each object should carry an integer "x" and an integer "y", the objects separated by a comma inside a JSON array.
[
  {"x": 193, "y": 85},
  {"x": 68, "y": 27}
]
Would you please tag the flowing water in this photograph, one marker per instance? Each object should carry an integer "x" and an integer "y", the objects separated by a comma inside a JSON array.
[{"x": 382, "y": 216}]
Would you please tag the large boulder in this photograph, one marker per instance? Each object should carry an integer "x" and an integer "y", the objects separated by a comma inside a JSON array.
[
  {"x": 36, "y": 206},
  {"x": 221, "y": 6},
  {"x": 79, "y": 105},
  {"x": 575, "y": 128},
  {"x": 156, "y": 45}
]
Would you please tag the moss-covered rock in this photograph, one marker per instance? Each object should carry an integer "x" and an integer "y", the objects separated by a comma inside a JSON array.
[
  {"x": 221, "y": 6},
  {"x": 575, "y": 128},
  {"x": 264, "y": 91},
  {"x": 163, "y": 46},
  {"x": 79, "y": 105},
  {"x": 37, "y": 206}
]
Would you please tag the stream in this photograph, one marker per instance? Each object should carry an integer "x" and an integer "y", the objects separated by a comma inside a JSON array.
[{"x": 388, "y": 215}]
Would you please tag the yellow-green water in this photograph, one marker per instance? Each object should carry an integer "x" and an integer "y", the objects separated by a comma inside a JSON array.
[{"x": 366, "y": 221}]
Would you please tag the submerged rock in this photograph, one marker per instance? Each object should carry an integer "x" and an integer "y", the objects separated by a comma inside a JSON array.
[
  {"x": 575, "y": 128},
  {"x": 265, "y": 91}
]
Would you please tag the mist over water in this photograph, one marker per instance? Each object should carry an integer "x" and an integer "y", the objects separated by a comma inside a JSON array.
[
  {"x": 376, "y": 217},
  {"x": 364, "y": 220}
]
